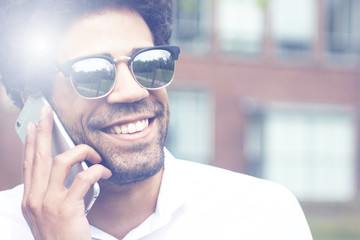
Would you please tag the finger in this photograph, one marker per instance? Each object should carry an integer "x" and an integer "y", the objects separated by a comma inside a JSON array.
[
  {"x": 27, "y": 168},
  {"x": 34, "y": 186},
  {"x": 63, "y": 163},
  {"x": 85, "y": 179},
  {"x": 42, "y": 162},
  {"x": 29, "y": 156}
]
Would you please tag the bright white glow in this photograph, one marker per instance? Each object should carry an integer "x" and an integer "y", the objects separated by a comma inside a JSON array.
[{"x": 38, "y": 43}]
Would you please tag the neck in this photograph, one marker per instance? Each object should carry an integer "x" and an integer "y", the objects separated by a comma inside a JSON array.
[{"x": 119, "y": 209}]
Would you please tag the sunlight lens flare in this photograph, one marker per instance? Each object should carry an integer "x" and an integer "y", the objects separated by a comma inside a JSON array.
[{"x": 39, "y": 45}]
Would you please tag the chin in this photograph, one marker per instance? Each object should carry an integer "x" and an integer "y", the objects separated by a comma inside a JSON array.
[{"x": 138, "y": 166}]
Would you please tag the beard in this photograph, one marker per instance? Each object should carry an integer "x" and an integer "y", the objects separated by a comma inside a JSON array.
[
  {"x": 131, "y": 164},
  {"x": 141, "y": 162}
]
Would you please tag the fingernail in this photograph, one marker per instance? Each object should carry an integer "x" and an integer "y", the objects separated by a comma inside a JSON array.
[{"x": 107, "y": 174}]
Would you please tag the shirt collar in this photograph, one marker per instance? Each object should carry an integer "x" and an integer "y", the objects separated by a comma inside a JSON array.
[
  {"x": 172, "y": 197},
  {"x": 173, "y": 194},
  {"x": 174, "y": 189}
]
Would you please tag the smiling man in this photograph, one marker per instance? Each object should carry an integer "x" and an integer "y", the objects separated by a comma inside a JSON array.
[{"x": 105, "y": 74}]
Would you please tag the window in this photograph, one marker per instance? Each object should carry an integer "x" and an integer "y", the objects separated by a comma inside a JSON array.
[
  {"x": 293, "y": 27},
  {"x": 240, "y": 26},
  {"x": 342, "y": 29},
  {"x": 309, "y": 150},
  {"x": 191, "y": 128},
  {"x": 191, "y": 24}
]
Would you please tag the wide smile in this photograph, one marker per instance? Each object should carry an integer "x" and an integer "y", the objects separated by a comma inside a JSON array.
[
  {"x": 128, "y": 128},
  {"x": 131, "y": 130}
]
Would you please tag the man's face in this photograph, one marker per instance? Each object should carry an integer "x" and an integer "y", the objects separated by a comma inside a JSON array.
[{"x": 131, "y": 156}]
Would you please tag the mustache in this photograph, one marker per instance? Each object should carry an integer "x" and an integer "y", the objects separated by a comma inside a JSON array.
[{"x": 118, "y": 110}]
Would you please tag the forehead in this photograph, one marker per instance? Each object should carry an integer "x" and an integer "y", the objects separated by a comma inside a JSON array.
[{"x": 116, "y": 32}]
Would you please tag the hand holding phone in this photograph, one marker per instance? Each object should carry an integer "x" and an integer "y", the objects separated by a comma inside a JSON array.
[
  {"x": 54, "y": 196},
  {"x": 61, "y": 142}
]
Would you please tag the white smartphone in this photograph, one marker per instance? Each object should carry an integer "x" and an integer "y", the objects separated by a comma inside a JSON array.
[{"x": 61, "y": 141}]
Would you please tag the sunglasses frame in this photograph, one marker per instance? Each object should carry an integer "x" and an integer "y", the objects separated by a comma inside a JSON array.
[{"x": 66, "y": 67}]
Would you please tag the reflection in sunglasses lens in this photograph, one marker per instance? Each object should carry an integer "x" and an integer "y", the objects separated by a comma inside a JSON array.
[
  {"x": 93, "y": 77},
  {"x": 153, "y": 68}
]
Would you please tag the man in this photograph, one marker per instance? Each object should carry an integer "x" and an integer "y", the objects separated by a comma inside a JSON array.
[{"x": 119, "y": 128}]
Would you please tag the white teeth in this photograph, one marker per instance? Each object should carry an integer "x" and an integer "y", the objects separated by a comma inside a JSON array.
[
  {"x": 124, "y": 129},
  {"x": 130, "y": 127},
  {"x": 139, "y": 125}
]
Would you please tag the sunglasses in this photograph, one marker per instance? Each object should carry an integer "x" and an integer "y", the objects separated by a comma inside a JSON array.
[{"x": 94, "y": 76}]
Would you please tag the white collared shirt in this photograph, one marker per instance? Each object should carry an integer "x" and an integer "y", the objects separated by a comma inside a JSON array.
[{"x": 196, "y": 202}]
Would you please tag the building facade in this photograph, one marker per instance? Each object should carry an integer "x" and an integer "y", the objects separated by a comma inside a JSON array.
[{"x": 270, "y": 88}]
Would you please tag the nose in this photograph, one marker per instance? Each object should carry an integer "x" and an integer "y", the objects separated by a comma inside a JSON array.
[{"x": 126, "y": 88}]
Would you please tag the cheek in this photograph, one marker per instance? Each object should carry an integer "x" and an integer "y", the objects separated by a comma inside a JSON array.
[
  {"x": 162, "y": 96},
  {"x": 63, "y": 90},
  {"x": 66, "y": 102}
]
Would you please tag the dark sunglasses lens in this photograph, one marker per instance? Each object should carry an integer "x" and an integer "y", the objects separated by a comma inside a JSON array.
[
  {"x": 154, "y": 68},
  {"x": 93, "y": 77}
]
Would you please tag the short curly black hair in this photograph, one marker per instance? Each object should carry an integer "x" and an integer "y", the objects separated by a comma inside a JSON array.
[{"x": 17, "y": 17}]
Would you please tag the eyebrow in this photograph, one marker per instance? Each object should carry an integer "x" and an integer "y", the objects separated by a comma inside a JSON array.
[
  {"x": 134, "y": 50},
  {"x": 106, "y": 54}
]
